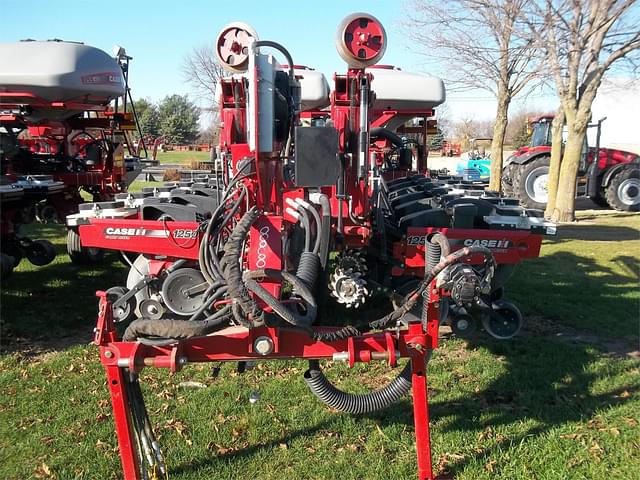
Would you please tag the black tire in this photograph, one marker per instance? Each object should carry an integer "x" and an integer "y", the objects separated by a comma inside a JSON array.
[
  {"x": 526, "y": 183},
  {"x": 82, "y": 255},
  {"x": 41, "y": 252},
  {"x": 47, "y": 214},
  {"x": 623, "y": 192},
  {"x": 504, "y": 321},
  {"x": 126, "y": 310},
  {"x": 507, "y": 179},
  {"x": 600, "y": 200},
  {"x": 463, "y": 325}
]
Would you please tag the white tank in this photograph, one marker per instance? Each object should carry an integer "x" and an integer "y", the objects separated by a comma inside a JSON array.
[
  {"x": 399, "y": 90},
  {"x": 56, "y": 71},
  {"x": 314, "y": 89}
]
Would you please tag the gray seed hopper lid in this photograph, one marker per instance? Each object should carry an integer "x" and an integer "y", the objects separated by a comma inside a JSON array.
[{"x": 39, "y": 74}]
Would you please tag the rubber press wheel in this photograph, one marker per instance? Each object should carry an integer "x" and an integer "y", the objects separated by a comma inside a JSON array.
[
  {"x": 10, "y": 247},
  {"x": 123, "y": 311},
  {"x": 504, "y": 321},
  {"x": 82, "y": 255},
  {"x": 40, "y": 252}
]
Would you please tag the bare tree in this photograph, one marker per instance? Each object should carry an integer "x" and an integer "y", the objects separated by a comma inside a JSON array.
[
  {"x": 582, "y": 39},
  {"x": 468, "y": 128},
  {"x": 202, "y": 70},
  {"x": 555, "y": 161},
  {"x": 443, "y": 116},
  {"x": 476, "y": 46}
]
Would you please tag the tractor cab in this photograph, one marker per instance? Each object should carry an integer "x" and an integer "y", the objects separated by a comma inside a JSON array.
[{"x": 540, "y": 131}]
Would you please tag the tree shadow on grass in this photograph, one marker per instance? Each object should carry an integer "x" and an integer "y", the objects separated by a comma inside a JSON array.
[
  {"x": 630, "y": 264},
  {"x": 593, "y": 232},
  {"x": 581, "y": 292},
  {"x": 542, "y": 381},
  {"x": 222, "y": 457}
]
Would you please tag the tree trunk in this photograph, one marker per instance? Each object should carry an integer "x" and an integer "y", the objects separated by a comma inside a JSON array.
[
  {"x": 566, "y": 195},
  {"x": 556, "y": 161},
  {"x": 497, "y": 143}
]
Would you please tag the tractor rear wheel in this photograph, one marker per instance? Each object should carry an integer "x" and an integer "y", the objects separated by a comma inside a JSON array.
[
  {"x": 600, "y": 199},
  {"x": 507, "y": 179},
  {"x": 530, "y": 185},
  {"x": 623, "y": 192}
]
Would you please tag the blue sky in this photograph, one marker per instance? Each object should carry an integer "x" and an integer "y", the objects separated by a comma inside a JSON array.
[{"x": 159, "y": 34}]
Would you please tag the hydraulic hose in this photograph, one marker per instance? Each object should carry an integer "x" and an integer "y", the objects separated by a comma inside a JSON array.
[
  {"x": 356, "y": 404},
  {"x": 170, "y": 328},
  {"x": 281, "y": 49},
  {"x": 437, "y": 247},
  {"x": 381, "y": 132},
  {"x": 306, "y": 225},
  {"x": 209, "y": 299},
  {"x": 233, "y": 273},
  {"x": 314, "y": 213},
  {"x": 325, "y": 231},
  {"x": 299, "y": 287},
  {"x": 308, "y": 268},
  {"x": 208, "y": 271}
]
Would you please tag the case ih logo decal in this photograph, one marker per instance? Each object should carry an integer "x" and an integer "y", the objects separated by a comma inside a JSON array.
[
  {"x": 468, "y": 242},
  {"x": 105, "y": 78},
  {"x": 115, "y": 233}
]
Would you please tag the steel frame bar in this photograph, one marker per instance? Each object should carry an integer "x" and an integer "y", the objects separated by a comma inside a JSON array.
[{"x": 233, "y": 344}]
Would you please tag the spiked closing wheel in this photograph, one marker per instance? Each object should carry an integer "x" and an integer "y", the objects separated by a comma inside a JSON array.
[{"x": 347, "y": 283}]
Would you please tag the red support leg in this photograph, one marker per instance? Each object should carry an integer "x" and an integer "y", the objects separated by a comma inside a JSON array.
[
  {"x": 122, "y": 419},
  {"x": 421, "y": 416}
]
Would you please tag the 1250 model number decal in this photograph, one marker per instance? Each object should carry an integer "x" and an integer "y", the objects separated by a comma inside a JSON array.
[{"x": 185, "y": 233}]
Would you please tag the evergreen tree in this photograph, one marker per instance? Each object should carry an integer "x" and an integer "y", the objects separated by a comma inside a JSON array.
[{"x": 179, "y": 119}]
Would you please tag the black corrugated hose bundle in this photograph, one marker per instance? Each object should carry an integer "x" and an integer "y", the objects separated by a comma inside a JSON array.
[{"x": 381, "y": 398}]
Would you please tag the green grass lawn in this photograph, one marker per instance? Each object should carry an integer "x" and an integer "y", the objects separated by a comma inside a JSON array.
[
  {"x": 587, "y": 277},
  {"x": 534, "y": 407},
  {"x": 182, "y": 157}
]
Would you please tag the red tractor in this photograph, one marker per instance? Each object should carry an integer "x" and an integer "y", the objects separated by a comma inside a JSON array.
[
  {"x": 62, "y": 133},
  {"x": 324, "y": 205},
  {"x": 613, "y": 181}
]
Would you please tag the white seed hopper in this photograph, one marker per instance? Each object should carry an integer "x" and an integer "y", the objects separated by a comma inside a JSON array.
[
  {"x": 57, "y": 79},
  {"x": 396, "y": 89}
]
